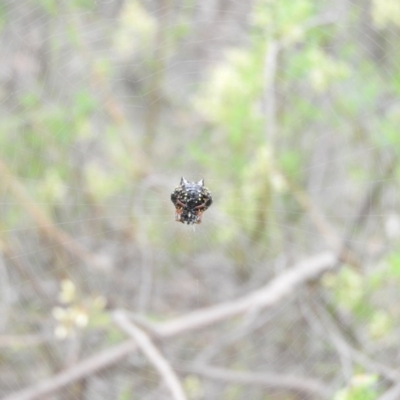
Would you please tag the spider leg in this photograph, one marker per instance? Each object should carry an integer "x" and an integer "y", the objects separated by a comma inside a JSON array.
[
  {"x": 199, "y": 211},
  {"x": 178, "y": 210},
  {"x": 203, "y": 205},
  {"x": 199, "y": 214}
]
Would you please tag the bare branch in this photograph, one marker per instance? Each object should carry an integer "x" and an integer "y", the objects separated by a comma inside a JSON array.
[
  {"x": 392, "y": 394},
  {"x": 23, "y": 269},
  {"x": 268, "y": 380},
  {"x": 45, "y": 224},
  {"x": 5, "y": 295},
  {"x": 348, "y": 350},
  {"x": 343, "y": 349},
  {"x": 152, "y": 353},
  {"x": 271, "y": 294},
  {"x": 369, "y": 199},
  {"x": 19, "y": 341},
  {"x": 320, "y": 221},
  {"x": 78, "y": 372},
  {"x": 277, "y": 290}
]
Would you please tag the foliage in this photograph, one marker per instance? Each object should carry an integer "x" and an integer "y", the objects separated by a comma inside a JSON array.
[
  {"x": 361, "y": 388},
  {"x": 105, "y": 105}
]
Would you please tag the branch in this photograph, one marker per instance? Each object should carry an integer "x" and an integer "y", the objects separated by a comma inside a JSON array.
[
  {"x": 348, "y": 350},
  {"x": 5, "y": 295},
  {"x": 23, "y": 269},
  {"x": 370, "y": 198},
  {"x": 152, "y": 353},
  {"x": 9, "y": 341},
  {"x": 277, "y": 290},
  {"x": 44, "y": 223},
  {"x": 268, "y": 380},
  {"x": 78, "y": 372},
  {"x": 320, "y": 221},
  {"x": 392, "y": 394},
  {"x": 269, "y": 295}
]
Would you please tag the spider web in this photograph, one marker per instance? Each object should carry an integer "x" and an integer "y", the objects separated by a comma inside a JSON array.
[{"x": 107, "y": 104}]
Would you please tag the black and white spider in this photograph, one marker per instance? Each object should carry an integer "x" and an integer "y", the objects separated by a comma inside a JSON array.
[{"x": 191, "y": 199}]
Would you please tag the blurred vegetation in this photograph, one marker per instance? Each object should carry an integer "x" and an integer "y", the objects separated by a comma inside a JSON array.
[{"x": 290, "y": 110}]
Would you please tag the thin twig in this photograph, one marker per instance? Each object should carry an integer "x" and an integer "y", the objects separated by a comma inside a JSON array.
[
  {"x": 270, "y": 68},
  {"x": 361, "y": 358},
  {"x": 154, "y": 96},
  {"x": 111, "y": 104},
  {"x": 370, "y": 198},
  {"x": 152, "y": 353},
  {"x": 276, "y": 291},
  {"x": 5, "y": 295},
  {"x": 317, "y": 217},
  {"x": 23, "y": 269},
  {"x": 343, "y": 349}
]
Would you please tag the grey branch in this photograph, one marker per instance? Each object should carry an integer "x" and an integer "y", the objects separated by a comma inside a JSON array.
[
  {"x": 268, "y": 380},
  {"x": 76, "y": 373},
  {"x": 274, "y": 292},
  {"x": 152, "y": 353},
  {"x": 392, "y": 394},
  {"x": 5, "y": 295},
  {"x": 271, "y": 294}
]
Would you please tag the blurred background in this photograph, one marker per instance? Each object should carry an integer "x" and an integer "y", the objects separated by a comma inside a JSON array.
[{"x": 289, "y": 110}]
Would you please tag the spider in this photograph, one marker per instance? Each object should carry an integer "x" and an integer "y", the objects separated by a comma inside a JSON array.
[{"x": 191, "y": 199}]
